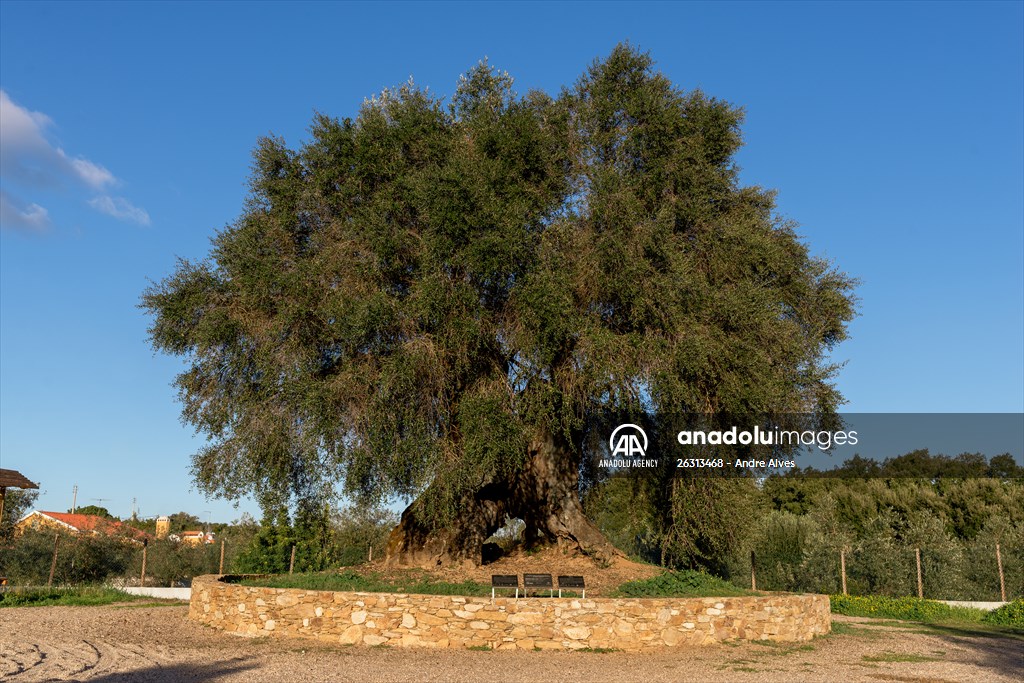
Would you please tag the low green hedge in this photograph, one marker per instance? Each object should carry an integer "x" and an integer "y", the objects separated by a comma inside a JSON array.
[
  {"x": 351, "y": 581},
  {"x": 930, "y": 611},
  {"x": 1010, "y": 614},
  {"x": 680, "y": 584},
  {"x": 44, "y": 597},
  {"x": 912, "y": 609}
]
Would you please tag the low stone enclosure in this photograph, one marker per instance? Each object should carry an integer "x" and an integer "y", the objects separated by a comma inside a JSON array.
[{"x": 633, "y": 624}]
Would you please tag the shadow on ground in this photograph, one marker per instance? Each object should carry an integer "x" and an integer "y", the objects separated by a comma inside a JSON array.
[
  {"x": 178, "y": 672},
  {"x": 1001, "y": 652}
]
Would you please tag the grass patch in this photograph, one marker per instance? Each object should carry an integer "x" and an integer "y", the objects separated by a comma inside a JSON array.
[
  {"x": 778, "y": 644},
  {"x": 909, "y": 609},
  {"x": 889, "y": 623},
  {"x": 479, "y": 648},
  {"x": 929, "y": 617},
  {"x": 895, "y": 657},
  {"x": 680, "y": 584},
  {"x": 49, "y": 597},
  {"x": 778, "y": 649},
  {"x": 1010, "y": 614},
  {"x": 844, "y": 629},
  {"x": 161, "y": 603},
  {"x": 598, "y": 650},
  {"x": 352, "y": 581}
]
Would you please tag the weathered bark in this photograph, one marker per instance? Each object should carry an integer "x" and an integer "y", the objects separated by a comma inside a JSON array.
[
  {"x": 545, "y": 495},
  {"x": 419, "y": 543}
]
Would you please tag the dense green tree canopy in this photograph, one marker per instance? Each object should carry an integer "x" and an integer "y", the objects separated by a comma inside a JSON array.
[
  {"x": 416, "y": 295},
  {"x": 97, "y": 510}
]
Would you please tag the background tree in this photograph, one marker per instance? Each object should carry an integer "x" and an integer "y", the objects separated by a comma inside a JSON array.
[
  {"x": 16, "y": 504},
  {"x": 956, "y": 521},
  {"x": 357, "y": 529},
  {"x": 184, "y": 521},
  {"x": 448, "y": 303},
  {"x": 81, "y": 558},
  {"x": 93, "y": 510}
]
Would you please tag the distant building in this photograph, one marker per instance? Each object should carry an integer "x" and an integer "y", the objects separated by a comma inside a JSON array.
[
  {"x": 196, "y": 537},
  {"x": 92, "y": 525},
  {"x": 163, "y": 526}
]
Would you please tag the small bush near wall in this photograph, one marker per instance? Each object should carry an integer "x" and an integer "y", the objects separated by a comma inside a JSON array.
[
  {"x": 349, "y": 580},
  {"x": 912, "y": 609},
  {"x": 1010, "y": 614},
  {"x": 685, "y": 583}
]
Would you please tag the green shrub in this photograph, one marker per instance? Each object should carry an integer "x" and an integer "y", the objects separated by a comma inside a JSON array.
[
  {"x": 913, "y": 609},
  {"x": 86, "y": 595},
  {"x": 322, "y": 539},
  {"x": 686, "y": 583},
  {"x": 352, "y": 581},
  {"x": 81, "y": 559},
  {"x": 1010, "y": 614}
]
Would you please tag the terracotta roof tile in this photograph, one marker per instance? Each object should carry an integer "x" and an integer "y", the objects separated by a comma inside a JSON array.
[{"x": 109, "y": 527}]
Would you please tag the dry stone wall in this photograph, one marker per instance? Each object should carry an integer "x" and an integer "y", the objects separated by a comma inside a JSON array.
[{"x": 505, "y": 623}]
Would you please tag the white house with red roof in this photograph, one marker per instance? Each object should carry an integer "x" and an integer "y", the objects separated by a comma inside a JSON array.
[{"x": 93, "y": 525}]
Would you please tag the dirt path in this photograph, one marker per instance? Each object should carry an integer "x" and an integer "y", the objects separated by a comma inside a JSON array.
[{"x": 118, "y": 644}]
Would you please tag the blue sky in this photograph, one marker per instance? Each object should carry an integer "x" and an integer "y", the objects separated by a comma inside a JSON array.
[{"x": 894, "y": 133}]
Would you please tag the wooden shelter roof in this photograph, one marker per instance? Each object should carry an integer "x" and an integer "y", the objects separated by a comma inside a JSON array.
[{"x": 15, "y": 479}]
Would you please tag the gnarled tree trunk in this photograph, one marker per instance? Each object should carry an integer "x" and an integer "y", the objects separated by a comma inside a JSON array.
[{"x": 545, "y": 495}]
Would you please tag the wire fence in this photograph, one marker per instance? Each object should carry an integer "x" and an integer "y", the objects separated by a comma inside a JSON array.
[
  {"x": 985, "y": 573},
  {"x": 919, "y": 571},
  {"x": 60, "y": 559}
]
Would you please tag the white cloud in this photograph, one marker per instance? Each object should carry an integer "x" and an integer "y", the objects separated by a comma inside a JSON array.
[
  {"x": 120, "y": 208},
  {"x": 29, "y": 158},
  {"x": 89, "y": 173},
  {"x": 29, "y": 161},
  {"x": 15, "y": 215},
  {"x": 20, "y": 123}
]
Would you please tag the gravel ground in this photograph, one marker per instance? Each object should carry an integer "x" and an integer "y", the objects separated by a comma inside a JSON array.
[{"x": 116, "y": 644}]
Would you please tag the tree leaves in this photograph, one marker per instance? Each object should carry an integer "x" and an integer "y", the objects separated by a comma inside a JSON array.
[{"x": 413, "y": 294}]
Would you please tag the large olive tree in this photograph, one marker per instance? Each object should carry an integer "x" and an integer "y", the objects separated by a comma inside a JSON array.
[{"x": 443, "y": 302}]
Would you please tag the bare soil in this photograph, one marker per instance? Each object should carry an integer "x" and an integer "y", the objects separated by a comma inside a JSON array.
[
  {"x": 121, "y": 643},
  {"x": 601, "y": 578}
]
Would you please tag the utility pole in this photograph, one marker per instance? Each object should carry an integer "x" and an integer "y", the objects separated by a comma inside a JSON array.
[{"x": 74, "y": 499}]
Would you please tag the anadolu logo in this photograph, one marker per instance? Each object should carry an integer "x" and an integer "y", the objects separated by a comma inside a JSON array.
[{"x": 628, "y": 442}]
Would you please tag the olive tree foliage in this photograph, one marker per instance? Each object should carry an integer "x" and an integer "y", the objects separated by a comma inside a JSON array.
[
  {"x": 17, "y": 503},
  {"x": 442, "y": 301},
  {"x": 81, "y": 558},
  {"x": 805, "y": 523}
]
